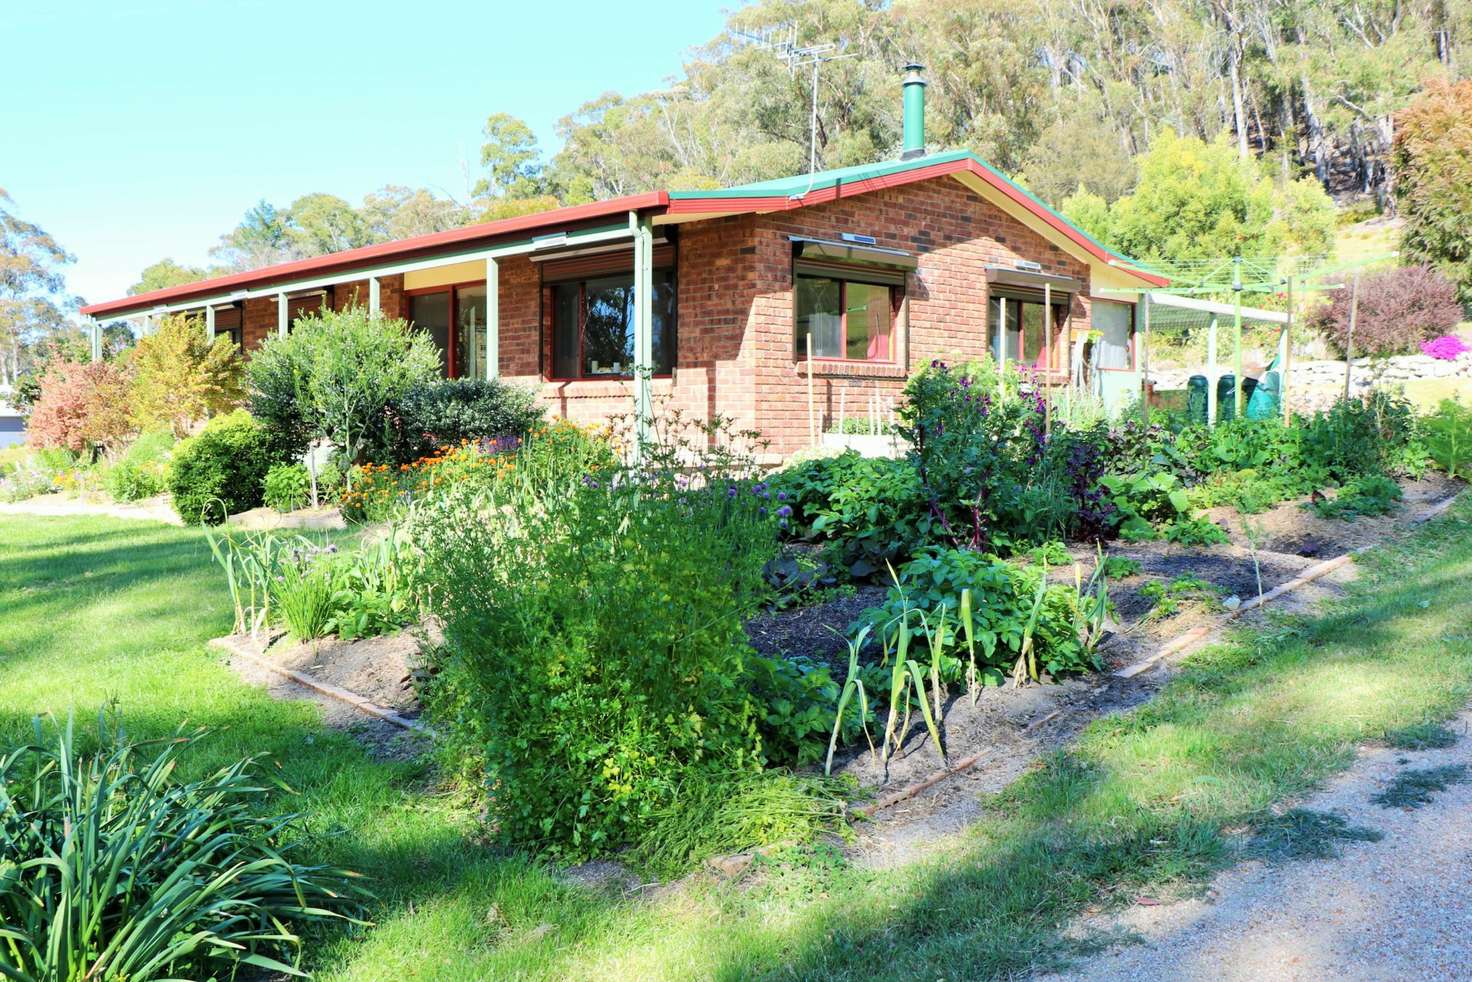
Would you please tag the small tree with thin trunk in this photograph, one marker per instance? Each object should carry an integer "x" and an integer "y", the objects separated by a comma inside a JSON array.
[{"x": 345, "y": 368}]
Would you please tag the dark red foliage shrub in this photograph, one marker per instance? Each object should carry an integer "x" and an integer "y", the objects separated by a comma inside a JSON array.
[{"x": 1398, "y": 309}]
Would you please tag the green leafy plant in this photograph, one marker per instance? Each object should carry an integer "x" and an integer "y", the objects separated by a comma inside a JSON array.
[
  {"x": 1448, "y": 437},
  {"x": 140, "y": 471},
  {"x": 1168, "y": 599},
  {"x": 287, "y": 487},
  {"x": 595, "y": 658},
  {"x": 1002, "y": 602},
  {"x": 221, "y": 471},
  {"x": 1196, "y": 531},
  {"x": 1144, "y": 500},
  {"x": 304, "y": 592},
  {"x": 1371, "y": 495},
  {"x": 1120, "y": 567},
  {"x": 112, "y": 867}
]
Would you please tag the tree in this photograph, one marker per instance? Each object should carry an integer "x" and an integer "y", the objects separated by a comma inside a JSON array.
[
  {"x": 262, "y": 238},
  {"x": 1433, "y": 176},
  {"x": 180, "y": 377},
  {"x": 1076, "y": 150},
  {"x": 82, "y": 406},
  {"x": 164, "y": 274},
  {"x": 32, "y": 297},
  {"x": 1194, "y": 200},
  {"x": 511, "y": 159},
  {"x": 396, "y": 212},
  {"x": 333, "y": 376},
  {"x": 321, "y": 223},
  {"x": 1089, "y": 212}
]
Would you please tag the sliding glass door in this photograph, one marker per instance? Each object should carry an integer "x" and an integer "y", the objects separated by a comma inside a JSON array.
[{"x": 455, "y": 319}]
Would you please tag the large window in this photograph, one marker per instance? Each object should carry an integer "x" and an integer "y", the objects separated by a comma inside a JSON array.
[
  {"x": 455, "y": 319},
  {"x": 845, "y": 319},
  {"x": 593, "y": 326},
  {"x": 1025, "y": 331}
]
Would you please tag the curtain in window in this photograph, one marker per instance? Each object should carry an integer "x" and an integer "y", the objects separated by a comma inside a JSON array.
[{"x": 1113, "y": 322}]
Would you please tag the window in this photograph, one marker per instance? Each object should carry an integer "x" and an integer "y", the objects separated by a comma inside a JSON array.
[
  {"x": 227, "y": 323},
  {"x": 593, "y": 325},
  {"x": 845, "y": 319},
  {"x": 1025, "y": 330},
  {"x": 455, "y": 319},
  {"x": 1115, "y": 323}
]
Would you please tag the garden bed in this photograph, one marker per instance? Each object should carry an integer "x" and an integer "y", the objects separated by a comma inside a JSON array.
[{"x": 1010, "y": 727}]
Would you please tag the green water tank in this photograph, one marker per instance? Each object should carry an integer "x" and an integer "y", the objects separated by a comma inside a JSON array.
[{"x": 1196, "y": 399}]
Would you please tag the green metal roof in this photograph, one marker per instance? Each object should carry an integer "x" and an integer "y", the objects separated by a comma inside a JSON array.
[{"x": 799, "y": 183}]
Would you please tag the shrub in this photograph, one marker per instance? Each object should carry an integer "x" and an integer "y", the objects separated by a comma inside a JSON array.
[
  {"x": 112, "y": 867},
  {"x": 221, "y": 471},
  {"x": 1378, "y": 434},
  {"x": 1432, "y": 157},
  {"x": 1448, "y": 436},
  {"x": 142, "y": 470},
  {"x": 82, "y": 407},
  {"x": 871, "y": 510},
  {"x": 1002, "y": 600},
  {"x": 334, "y": 376},
  {"x": 988, "y": 472},
  {"x": 1398, "y": 309},
  {"x": 287, "y": 487},
  {"x": 448, "y": 412},
  {"x": 180, "y": 377},
  {"x": 595, "y": 659}
]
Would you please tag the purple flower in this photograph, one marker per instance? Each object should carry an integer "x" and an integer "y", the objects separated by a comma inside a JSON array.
[
  {"x": 784, "y": 512},
  {"x": 781, "y": 495},
  {"x": 1448, "y": 347},
  {"x": 762, "y": 511},
  {"x": 731, "y": 491}
]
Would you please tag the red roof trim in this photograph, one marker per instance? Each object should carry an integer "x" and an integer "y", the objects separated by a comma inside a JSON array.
[
  {"x": 820, "y": 196},
  {"x": 383, "y": 251}
]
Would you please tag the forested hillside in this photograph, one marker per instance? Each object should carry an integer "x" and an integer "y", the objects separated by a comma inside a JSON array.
[{"x": 1058, "y": 94}]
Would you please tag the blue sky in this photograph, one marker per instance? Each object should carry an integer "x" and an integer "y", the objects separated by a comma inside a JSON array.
[{"x": 137, "y": 129}]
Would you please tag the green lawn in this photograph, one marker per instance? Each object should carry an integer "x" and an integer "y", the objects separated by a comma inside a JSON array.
[{"x": 97, "y": 611}]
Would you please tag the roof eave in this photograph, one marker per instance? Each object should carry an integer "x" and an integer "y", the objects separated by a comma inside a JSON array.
[{"x": 419, "y": 246}]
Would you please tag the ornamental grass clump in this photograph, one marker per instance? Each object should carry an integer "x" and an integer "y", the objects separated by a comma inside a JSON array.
[
  {"x": 112, "y": 867},
  {"x": 595, "y": 659}
]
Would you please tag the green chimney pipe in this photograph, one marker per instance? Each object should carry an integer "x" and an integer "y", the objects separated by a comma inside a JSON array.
[{"x": 914, "y": 145}]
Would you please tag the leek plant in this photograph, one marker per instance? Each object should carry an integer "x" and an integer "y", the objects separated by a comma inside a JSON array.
[
  {"x": 853, "y": 684},
  {"x": 113, "y": 868}
]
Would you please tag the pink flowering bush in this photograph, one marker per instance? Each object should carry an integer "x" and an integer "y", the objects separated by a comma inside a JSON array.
[{"x": 1447, "y": 347}]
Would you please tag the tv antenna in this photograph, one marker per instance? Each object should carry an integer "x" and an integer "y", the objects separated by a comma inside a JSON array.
[{"x": 781, "y": 40}]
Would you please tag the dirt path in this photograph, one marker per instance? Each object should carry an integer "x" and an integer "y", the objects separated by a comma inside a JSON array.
[
  {"x": 1399, "y": 908},
  {"x": 56, "y": 505}
]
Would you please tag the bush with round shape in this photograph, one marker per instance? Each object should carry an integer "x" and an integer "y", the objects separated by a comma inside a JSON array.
[
  {"x": 447, "y": 412},
  {"x": 222, "y": 471},
  {"x": 141, "y": 471},
  {"x": 1398, "y": 309}
]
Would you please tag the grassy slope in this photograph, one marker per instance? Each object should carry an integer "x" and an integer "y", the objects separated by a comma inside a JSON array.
[{"x": 97, "y": 609}]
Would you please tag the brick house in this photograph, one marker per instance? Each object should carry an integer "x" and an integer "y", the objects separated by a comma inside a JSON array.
[{"x": 856, "y": 276}]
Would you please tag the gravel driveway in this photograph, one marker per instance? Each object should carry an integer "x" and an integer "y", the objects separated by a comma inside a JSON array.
[{"x": 1400, "y": 908}]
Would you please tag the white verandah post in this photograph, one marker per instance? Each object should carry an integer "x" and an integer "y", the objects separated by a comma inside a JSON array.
[
  {"x": 281, "y": 315},
  {"x": 493, "y": 318},
  {"x": 94, "y": 330},
  {"x": 374, "y": 297},
  {"x": 209, "y": 323},
  {"x": 643, "y": 330}
]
